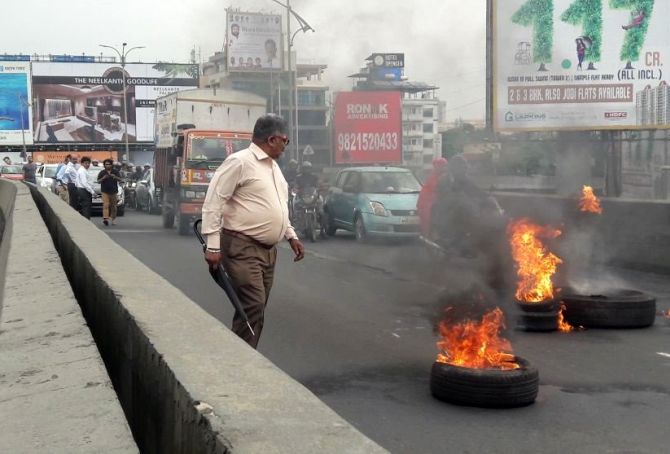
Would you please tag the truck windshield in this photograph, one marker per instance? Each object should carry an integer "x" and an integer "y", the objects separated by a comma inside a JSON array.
[{"x": 206, "y": 149}]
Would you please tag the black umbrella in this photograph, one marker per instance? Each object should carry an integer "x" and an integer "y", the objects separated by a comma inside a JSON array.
[{"x": 223, "y": 280}]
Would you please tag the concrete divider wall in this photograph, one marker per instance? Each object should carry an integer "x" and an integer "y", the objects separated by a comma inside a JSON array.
[
  {"x": 630, "y": 233},
  {"x": 55, "y": 394},
  {"x": 186, "y": 383},
  {"x": 7, "y": 197}
]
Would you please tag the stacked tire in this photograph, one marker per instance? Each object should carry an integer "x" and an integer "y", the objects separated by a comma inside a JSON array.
[{"x": 539, "y": 317}]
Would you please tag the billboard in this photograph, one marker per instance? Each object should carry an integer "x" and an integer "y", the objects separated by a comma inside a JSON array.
[
  {"x": 254, "y": 42},
  {"x": 83, "y": 102},
  {"x": 368, "y": 127},
  {"x": 15, "y": 115},
  {"x": 580, "y": 64}
]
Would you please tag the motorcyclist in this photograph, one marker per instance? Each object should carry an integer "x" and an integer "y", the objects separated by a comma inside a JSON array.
[
  {"x": 291, "y": 172},
  {"x": 468, "y": 222},
  {"x": 306, "y": 178}
]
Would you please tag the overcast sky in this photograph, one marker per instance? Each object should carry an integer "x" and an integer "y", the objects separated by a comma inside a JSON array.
[{"x": 443, "y": 41}]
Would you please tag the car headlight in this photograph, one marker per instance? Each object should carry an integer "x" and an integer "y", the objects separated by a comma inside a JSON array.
[
  {"x": 189, "y": 194},
  {"x": 133, "y": 184},
  {"x": 201, "y": 194},
  {"x": 378, "y": 209}
]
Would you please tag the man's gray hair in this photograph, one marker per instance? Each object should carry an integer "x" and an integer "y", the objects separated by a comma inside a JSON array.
[{"x": 269, "y": 125}]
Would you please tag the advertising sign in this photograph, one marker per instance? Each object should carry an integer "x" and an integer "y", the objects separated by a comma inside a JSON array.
[
  {"x": 368, "y": 127},
  {"x": 15, "y": 115},
  {"x": 388, "y": 60},
  {"x": 254, "y": 42},
  {"x": 581, "y": 64},
  {"x": 83, "y": 102}
]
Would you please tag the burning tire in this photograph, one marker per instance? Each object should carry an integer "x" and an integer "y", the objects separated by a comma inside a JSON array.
[
  {"x": 611, "y": 309},
  {"x": 490, "y": 388}
]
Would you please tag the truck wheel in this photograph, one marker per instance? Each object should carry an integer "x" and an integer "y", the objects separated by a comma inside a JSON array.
[
  {"x": 168, "y": 217},
  {"x": 183, "y": 228}
]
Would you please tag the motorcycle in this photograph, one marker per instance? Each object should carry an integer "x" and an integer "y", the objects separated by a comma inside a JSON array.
[
  {"x": 306, "y": 212},
  {"x": 130, "y": 197}
]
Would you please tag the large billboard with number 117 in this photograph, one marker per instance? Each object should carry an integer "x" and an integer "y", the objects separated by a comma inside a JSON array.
[
  {"x": 368, "y": 126},
  {"x": 581, "y": 64}
]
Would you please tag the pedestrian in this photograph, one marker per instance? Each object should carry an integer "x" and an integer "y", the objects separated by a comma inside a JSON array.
[
  {"x": 85, "y": 190},
  {"x": 109, "y": 187},
  {"x": 245, "y": 215},
  {"x": 29, "y": 171},
  {"x": 62, "y": 179},
  {"x": 70, "y": 179},
  {"x": 426, "y": 199}
]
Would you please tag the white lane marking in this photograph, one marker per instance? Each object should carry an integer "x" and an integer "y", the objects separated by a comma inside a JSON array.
[
  {"x": 396, "y": 335},
  {"x": 667, "y": 355}
]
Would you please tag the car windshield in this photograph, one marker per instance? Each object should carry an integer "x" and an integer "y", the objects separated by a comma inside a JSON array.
[
  {"x": 217, "y": 149},
  {"x": 50, "y": 172},
  {"x": 389, "y": 183},
  {"x": 12, "y": 169},
  {"x": 93, "y": 173}
]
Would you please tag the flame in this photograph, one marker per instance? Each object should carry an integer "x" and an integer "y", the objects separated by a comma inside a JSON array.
[
  {"x": 535, "y": 265},
  {"x": 563, "y": 326},
  {"x": 476, "y": 345},
  {"x": 589, "y": 203}
]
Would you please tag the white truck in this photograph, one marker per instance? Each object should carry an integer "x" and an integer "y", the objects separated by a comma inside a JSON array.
[{"x": 195, "y": 131}]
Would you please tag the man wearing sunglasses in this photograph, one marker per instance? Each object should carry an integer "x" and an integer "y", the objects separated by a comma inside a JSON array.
[{"x": 245, "y": 215}]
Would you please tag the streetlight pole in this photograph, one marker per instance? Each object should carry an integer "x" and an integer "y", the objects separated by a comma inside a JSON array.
[
  {"x": 23, "y": 102},
  {"x": 122, "y": 55},
  {"x": 293, "y": 79}
]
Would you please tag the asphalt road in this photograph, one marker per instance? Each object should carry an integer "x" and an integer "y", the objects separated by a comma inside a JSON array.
[{"x": 352, "y": 323}]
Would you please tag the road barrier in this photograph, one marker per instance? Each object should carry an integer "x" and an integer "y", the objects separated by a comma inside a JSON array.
[
  {"x": 629, "y": 233},
  {"x": 55, "y": 394},
  {"x": 187, "y": 384}
]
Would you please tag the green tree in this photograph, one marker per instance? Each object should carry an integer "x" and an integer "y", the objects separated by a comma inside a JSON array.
[
  {"x": 635, "y": 34},
  {"x": 540, "y": 15},
  {"x": 589, "y": 13}
]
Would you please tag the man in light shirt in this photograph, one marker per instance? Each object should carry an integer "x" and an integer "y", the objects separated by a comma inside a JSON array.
[
  {"x": 71, "y": 178},
  {"x": 62, "y": 179},
  {"x": 245, "y": 215},
  {"x": 85, "y": 190}
]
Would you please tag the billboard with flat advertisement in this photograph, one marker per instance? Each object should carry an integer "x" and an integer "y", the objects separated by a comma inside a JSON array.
[
  {"x": 254, "y": 41},
  {"x": 15, "y": 115},
  {"x": 368, "y": 127},
  {"x": 580, "y": 64},
  {"x": 83, "y": 102}
]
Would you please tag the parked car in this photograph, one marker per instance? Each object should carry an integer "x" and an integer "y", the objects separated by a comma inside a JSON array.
[
  {"x": 96, "y": 206},
  {"x": 373, "y": 201},
  {"x": 11, "y": 172},
  {"x": 146, "y": 195},
  {"x": 46, "y": 176}
]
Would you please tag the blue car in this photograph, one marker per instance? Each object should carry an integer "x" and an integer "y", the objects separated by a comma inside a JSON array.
[{"x": 373, "y": 202}]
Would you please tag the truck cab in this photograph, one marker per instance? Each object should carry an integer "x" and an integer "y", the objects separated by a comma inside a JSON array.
[{"x": 184, "y": 170}]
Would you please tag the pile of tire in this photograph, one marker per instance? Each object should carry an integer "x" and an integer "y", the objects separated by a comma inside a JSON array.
[
  {"x": 538, "y": 317},
  {"x": 616, "y": 308},
  {"x": 488, "y": 388}
]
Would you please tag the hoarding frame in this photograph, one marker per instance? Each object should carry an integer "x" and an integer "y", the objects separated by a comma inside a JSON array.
[
  {"x": 257, "y": 52},
  {"x": 363, "y": 131},
  {"x": 86, "y": 100},
  {"x": 495, "y": 93},
  {"x": 9, "y": 115}
]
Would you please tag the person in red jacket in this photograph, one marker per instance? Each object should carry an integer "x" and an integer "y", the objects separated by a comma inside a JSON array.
[{"x": 427, "y": 195}]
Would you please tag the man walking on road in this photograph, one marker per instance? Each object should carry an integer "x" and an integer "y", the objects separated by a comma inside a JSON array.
[
  {"x": 245, "y": 215},
  {"x": 109, "y": 187},
  {"x": 84, "y": 189},
  {"x": 62, "y": 179},
  {"x": 29, "y": 171}
]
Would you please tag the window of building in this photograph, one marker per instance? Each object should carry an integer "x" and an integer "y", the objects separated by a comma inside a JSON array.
[
  {"x": 428, "y": 143},
  {"x": 428, "y": 128},
  {"x": 428, "y": 113}
]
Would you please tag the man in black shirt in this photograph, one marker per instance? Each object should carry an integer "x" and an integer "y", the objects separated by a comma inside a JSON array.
[{"x": 109, "y": 187}]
